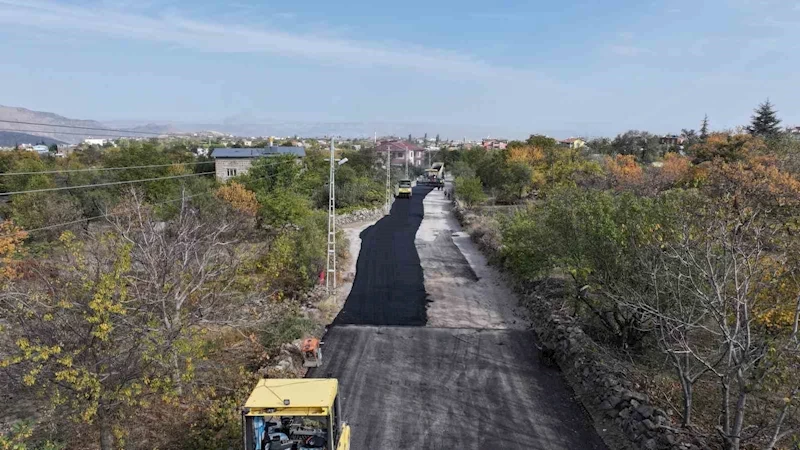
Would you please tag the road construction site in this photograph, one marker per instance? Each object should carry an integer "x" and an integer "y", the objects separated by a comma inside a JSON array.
[{"x": 432, "y": 351}]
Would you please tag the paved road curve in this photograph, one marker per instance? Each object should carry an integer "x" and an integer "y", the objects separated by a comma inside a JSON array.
[{"x": 407, "y": 386}]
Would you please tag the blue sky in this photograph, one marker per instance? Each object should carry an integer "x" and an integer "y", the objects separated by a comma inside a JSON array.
[{"x": 562, "y": 68}]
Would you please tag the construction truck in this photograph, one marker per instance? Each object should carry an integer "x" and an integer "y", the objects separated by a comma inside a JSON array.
[
  {"x": 302, "y": 414},
  {"x": 404, "y": 189},
  {"x": 435, "y": 175}
]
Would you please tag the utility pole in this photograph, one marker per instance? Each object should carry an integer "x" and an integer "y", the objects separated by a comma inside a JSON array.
[
  {"x": 407, "y": 164},
  {"x": 388, "y": 180},
  {"x": 330, "y": 275}
]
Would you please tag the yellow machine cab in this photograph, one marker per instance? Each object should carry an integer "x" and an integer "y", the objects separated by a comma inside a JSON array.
[{"x": 295, "y": 414}]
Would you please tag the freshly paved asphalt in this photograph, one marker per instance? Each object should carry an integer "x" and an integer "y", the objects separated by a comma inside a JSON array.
[
  {"x": 407, "y": 386},
  {"x": 388, "y": 288}
]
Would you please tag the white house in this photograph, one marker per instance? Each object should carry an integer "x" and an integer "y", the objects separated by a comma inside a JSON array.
[{"x": 92, "y": 141}]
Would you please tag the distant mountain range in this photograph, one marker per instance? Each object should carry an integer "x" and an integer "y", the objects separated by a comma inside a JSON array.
[
  {"x": 13, "y": 138},
  {"x": 237, "y": 127}
]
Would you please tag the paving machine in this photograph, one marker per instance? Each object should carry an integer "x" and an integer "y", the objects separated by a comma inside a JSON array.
[
  {"x": 295, "y": 414},
  {"x": 435, "y": 175}
]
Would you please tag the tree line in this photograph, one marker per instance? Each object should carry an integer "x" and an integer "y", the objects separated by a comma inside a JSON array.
[
  {"x": 693, "y": 259},
  {"x": 146, "y": 326}
]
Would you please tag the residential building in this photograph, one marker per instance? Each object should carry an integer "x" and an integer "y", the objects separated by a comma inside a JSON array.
[
  {"x": 42, "y": 149},
  {"x": 400, "y": 150},
  {"x": 573, "y": 142},
  {"x": 91, "y": 141},
  {"x": 232, "y": 162},
  {"x": 672, "y": 139},
  {"x": 490, "y": 144}
]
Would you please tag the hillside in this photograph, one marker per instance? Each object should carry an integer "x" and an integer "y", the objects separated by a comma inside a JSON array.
[
  {"x": 12, "y": 138},
  {"x": 60, "y": 134}
]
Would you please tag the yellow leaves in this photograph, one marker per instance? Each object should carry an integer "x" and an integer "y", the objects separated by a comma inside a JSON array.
[
  {"x": 239, "y": 197},
  {"x": 624, "y": 170},
  {"x": 527, "y": 154},
  {"x": 11, "y": 239},
  {"x": 29, "y": 379},
  {"x": 676, "y": 169}
]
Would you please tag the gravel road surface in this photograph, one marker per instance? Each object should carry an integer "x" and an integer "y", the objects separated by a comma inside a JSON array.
[{"x": 471, "y": 378}]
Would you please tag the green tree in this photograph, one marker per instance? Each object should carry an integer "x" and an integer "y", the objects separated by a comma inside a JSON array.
[
  {"x": 765, "y": 122},
  {"x": 469, "y": 190},
  {"x": 704, "y": 129},
  {"x": 541, "y": 141}
]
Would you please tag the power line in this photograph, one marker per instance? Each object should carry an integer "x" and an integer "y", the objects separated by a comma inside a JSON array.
[
  {"x": 99, "y": 169},
  {"x": 86, "y": 219},
  {"x": 78, "y": 127},
  {"x": 112, "y": 183}
]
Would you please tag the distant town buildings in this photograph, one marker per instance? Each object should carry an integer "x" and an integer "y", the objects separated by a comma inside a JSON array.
[
  {"x": 672, "y": 139},
  {"x": 232, "y": 162},
  {"x": 573, "y": 142},
  {"x": 491, "y": 144},
  {"x": 92, "y": 141}
]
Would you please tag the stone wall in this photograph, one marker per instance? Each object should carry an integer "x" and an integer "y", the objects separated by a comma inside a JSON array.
[
  {"x": 237, "y": 166},
  {"x": 360, "y": 215},
  {"x": 601, "y": 381}
]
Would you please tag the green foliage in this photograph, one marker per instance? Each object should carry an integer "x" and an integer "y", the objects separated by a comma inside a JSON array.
[
  {"x": 543, "y": 142},
  {"x": 296, "y": 256},
  {"x": 282, "y": 207},
  {"x": 765, "y": 122},
  {"x": 287, "y": 328},
  {"x": 469, "y": 190},
  {"x": 594, "y": 237},
  {"x": 21, "y": 437},
  {"x": 644, "y": 146}
]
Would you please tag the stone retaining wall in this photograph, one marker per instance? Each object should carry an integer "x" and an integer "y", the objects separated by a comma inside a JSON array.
[
  {"x": 360, "y": 215},
  {"x": 601, "y": 380}
]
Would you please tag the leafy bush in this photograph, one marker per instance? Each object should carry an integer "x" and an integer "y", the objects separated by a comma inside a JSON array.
[
  {"x": 287, "y": 328},
  {"x": 469, "y": 190}
]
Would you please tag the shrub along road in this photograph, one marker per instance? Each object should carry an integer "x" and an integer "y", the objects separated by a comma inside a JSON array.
[{"x": 405, "y": 385}]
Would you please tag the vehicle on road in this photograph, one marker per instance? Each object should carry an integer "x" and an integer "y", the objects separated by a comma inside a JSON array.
[
  {"x": 303, "y": 414},
  {"x": 404, "y": 189},
  {"x": 435, "y": 175}
]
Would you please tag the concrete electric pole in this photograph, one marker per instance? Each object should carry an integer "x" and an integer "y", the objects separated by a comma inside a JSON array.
[
  {"x": 407, "y": 151},
  {"x": 330, "y": 275},
  {"x": 388, "y": 180}
]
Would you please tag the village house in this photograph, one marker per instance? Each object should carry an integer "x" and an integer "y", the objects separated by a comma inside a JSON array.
[{"x": 232, "y": 162}]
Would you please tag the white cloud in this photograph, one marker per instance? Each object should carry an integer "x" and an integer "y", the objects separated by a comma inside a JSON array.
[{"x": 176, "y": 29}]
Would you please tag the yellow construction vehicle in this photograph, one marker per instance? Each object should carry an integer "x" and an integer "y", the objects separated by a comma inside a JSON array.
[
  {"x": 404, "y": 189},
  {"x": 302, "y": 414}
]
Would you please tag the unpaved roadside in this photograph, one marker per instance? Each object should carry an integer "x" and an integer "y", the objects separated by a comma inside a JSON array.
[{"x": 463, "y": 290}]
